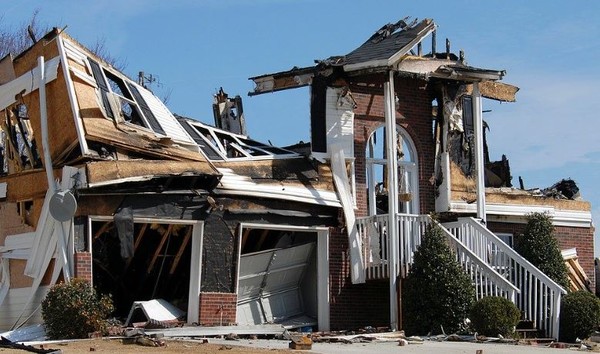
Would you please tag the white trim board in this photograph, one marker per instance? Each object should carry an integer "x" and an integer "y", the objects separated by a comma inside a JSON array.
[{"x": 516, "y": 213}]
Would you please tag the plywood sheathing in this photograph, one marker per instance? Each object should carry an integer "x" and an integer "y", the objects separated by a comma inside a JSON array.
[
  {"x": 29, "y": 184},
  {"x": 20, "y": 280},
  {"x": 61, "y": 126},
  {"x": 128, "y": 137},
  {"x": 463, "y": 189},
  {"x": 102, "y": 171},
  {"x": 93, "y": 205}
]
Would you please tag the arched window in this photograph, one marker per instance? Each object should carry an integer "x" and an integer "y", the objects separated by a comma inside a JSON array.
[{"x": 377, "y": 173}]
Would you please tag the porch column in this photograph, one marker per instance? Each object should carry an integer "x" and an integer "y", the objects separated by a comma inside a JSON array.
[
  {"x": 392, "y": 164},
  {"x": 479, "y": 163}
]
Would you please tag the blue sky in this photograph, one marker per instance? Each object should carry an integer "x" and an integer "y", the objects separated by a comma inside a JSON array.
[{"x": 549, "y": 49}]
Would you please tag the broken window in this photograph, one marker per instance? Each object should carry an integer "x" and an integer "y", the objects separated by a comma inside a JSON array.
[
  {"x": 219, "y": 144},
  {"x": 24, "y": 209},
  {"x": 18, "y": 148},
  {"x": 123, "y": 101}
]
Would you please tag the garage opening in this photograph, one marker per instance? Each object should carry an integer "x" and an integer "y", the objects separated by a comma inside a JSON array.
[
  {"x": 278, "y": 278},
  {"x": 153, "y": 264}
]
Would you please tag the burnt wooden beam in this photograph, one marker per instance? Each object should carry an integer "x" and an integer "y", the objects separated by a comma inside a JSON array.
[
  {"x": 159, "y": 248},
  {"x": 107, "y": 226},
  {"x": 184, "y": 244}
]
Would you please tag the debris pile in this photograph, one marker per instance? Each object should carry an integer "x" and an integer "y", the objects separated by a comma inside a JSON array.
[{"x": 564, "y": 189}]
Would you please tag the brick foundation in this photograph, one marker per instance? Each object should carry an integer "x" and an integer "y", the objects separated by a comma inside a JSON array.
[{"x": 217, "y": 309}]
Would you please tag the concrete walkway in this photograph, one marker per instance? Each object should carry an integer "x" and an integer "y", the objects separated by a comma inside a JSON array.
[{"x": 389, "y": 347}]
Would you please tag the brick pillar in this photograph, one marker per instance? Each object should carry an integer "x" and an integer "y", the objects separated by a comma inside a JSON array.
[
  {"x": 83, "y": 265},
  {"x": 217, "y": 309}
]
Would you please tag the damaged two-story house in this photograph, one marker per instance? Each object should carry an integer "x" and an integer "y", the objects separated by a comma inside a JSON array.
[
  {"x": 408, "y": 125},
  {"x": 100, "y": 180}
]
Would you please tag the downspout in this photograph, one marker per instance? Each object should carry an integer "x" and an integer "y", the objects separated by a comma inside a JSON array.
[
  {"x": 392, "y": 166},
  {"x": 479, "y": 163}
]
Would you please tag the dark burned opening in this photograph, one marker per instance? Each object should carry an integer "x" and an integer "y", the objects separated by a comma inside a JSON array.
[
  {"x": 278, "y": 278},
  {"x": 158, "y": 269}
]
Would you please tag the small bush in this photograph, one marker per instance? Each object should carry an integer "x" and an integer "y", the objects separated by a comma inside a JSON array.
[
  {"x": 73, "y": 310},
  {"x": 579, "y": 315},
  {"x": 437, "y": 293},
  {"x": 494, "y": 315}
]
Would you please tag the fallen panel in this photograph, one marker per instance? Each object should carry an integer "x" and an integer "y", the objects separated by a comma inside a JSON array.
[
  {"x": 26, "y": 334},
  {"x": 158, "y": 310}
]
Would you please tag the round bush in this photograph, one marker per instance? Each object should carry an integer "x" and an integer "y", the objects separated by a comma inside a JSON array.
[
  {"x": 494, "y": 315},
  {"x": 74, "y": 310},
  {"x": 579, "y": 315}
]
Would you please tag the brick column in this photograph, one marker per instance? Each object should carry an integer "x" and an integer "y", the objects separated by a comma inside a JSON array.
[{"x": 83, "y": 265}]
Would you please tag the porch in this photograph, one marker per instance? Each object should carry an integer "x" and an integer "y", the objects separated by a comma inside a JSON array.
[{"x": 494, "y": 267}]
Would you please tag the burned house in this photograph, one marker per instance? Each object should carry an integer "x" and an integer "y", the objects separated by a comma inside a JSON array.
[
  {"x": 406, "y": 120},
  {"x": 99, "y": 180}
]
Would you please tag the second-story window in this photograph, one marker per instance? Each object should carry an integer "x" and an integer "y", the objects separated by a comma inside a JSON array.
[{"x": 122, "y": 99}]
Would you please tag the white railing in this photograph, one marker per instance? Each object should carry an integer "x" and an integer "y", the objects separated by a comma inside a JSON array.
[
  {"x": 539, "y": 297},
  {"x": 373, "y": 231}
]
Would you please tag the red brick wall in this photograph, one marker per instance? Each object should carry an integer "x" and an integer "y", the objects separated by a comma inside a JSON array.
[
  {"x": 414, "y": 115},
  {"x": 217, "y": 309},
  {"x": 353, "y": 305},
  {"x": 83, "y": 265},
  {"x": 581, "y": 238}
]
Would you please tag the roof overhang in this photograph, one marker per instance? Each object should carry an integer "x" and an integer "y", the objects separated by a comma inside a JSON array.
[
  {"x": 297, "y": 77},
  {"x": 396, "y": 57},
  {"x": 467, "y": 73}
]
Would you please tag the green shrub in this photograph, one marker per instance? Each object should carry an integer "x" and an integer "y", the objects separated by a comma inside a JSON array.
[
  {"x": 494, "y": 315},
  {"x": 73, "y": 310},
  {"x": 579, "y": 315},
  {"x": 437, "y": 292},
  {"x": 539, "y": 246}
]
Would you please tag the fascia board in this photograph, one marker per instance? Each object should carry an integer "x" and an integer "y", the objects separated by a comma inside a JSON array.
[{"x": 560, "y": 217}]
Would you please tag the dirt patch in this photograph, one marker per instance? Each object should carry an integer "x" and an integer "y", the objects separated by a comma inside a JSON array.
[{"x": 171, "y": 346}]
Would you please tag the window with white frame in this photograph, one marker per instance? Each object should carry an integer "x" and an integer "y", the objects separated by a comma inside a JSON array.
[{"x": 378, "y": 173}]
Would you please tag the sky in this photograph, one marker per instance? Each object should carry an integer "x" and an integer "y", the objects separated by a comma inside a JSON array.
[{"x": 549, "y": 49}]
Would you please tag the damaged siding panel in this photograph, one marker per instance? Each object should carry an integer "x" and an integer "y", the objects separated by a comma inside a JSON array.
[
  {"x": 163, "y": 116},
  {"x": 339, "y": 122},
  {"x": 12, "y": 309},
  {"x": 27, "y": 83},
  {"x": 146, "y": 111},
  {"x": 234, "y": 184}
]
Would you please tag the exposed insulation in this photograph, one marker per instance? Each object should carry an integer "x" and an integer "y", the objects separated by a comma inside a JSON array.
[{"x": 102, "y": 171}]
